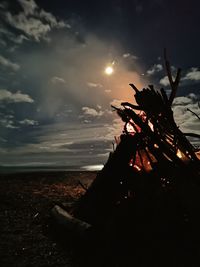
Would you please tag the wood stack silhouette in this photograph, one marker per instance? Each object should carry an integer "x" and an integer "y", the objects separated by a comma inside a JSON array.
[
  {"x": 149, "y": 189},
  {"x": 152, "y": 154}
]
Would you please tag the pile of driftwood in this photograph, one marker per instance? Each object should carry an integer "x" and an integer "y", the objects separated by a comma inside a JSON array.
[{"x": 148, "y": 193}]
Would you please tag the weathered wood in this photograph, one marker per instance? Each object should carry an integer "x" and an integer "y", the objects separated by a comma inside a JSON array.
[{"x": 71, "y": 224}]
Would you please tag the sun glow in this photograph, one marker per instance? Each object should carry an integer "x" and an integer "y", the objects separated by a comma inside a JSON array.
[{"x": 109, "y": 70}]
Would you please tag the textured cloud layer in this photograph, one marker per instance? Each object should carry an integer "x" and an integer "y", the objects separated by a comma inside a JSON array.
[{"x": 7, "y": 96}]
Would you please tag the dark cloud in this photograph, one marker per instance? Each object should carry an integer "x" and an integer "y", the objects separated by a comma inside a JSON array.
[{"x": 31, "y": 21}]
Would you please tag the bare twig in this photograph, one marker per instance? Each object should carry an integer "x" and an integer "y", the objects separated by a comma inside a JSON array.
[
  {"x": 113, "y": 146},
  {"x": 192, "y": 135},
  {"x": 193, "y": 113},
  {"x": 164, "y": 96},
  {"x": 134, "y": 87},
  {"x": 174, "y": 84},
  {"x": 82, "y": 185}
]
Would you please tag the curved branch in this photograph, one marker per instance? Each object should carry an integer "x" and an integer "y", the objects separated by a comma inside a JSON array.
[{"x": 193, "y": 113}]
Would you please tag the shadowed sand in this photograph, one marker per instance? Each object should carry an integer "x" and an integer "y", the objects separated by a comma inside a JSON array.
[{"x": 25, "y": 202}]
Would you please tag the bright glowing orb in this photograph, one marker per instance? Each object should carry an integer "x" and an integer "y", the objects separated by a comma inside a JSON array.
[{"x": 109, "y": 70}]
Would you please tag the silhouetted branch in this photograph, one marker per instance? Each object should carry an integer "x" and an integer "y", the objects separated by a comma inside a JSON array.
[
  {"x": 174, "y": 84},
  {"x": 134, "y": 87},
  {"x": 193, "y": 113},
  {"x": 124, "y": 104},
  {"x": 192, "y": 135}
]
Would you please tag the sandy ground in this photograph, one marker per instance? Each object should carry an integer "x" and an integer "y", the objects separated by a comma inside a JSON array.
[{"x": 25, "y": 202}]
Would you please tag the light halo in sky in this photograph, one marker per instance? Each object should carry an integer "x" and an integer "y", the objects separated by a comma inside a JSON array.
[{"x": 109, "y": 70}]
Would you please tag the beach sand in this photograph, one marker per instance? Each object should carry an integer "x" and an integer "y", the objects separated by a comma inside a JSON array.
[{"x": 25, "y": 203}]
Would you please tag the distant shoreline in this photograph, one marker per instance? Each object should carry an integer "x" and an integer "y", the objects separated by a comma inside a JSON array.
[{"x": 30, "y": 169}]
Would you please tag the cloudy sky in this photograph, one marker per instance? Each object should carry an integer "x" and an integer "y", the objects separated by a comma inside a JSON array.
[{"x": 55, "y": 96}]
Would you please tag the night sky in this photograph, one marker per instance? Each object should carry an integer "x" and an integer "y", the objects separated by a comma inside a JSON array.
[{"x": 55, "y": 96}]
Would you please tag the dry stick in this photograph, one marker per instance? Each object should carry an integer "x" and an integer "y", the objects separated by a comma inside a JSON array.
[
  {"x": 134, "y": 87},
  {"x": 82, "y": 185},
  {"x": 155, "y": 139},
  {"x": 169, "y": 137},
  {"x": 164, "y": 96},
  {"x": 174, "y": 87},
  {"x": 144, "y": 145},
  {"x": 136, "y": 130},
  {"x": 173, "y": 84},
  {"x": 193, "y": 113},
  {"x": 113, "y": 145},
  {"x": 168, "y": 68},
  {"x": 192, "y": 135},
  {"x": 183, "y": 141},
  {"x": 149, "y": 158},
  {"x": 141, "y": 159}
]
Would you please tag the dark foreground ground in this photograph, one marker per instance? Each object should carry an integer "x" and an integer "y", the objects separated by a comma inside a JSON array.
[
  {"x": 164, "y": 230},
  {"x": 25, "y": 203}
]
